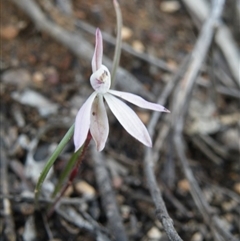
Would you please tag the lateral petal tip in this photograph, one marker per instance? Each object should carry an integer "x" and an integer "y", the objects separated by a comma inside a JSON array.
[
  {"x": 76, "y": 148},
  {"x": 148, "y": 141},
  {"x": 166, "y": 110},
  {"x": 100, "y": 147},
  {"x": 150, "y": 144}
]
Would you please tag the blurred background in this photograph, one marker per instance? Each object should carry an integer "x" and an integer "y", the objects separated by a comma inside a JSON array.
[{"x": 46, "y": 51}]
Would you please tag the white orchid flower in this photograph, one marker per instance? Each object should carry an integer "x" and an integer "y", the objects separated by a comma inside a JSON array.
[{"x": 93, "y": 116}]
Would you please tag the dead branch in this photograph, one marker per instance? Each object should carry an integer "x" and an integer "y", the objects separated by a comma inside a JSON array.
[
  {"x": 232, "y": 92},
  {"x": 161, "y": 211},
  {"x": 78, "y": 45},
  {"x": 9, "y": 227},
  {"x": 81, "y": 25},
  {"x": 109, "y": 203},
  {"x": 181, "y": 103},
  {"x": 73, "y": 217},
  {"x": 125, "y": 47},
  {"x": 163, "y": 132},
  {"x": 183, "y": 93},
  {"x": 210, "y": 218},
  {"x": 223, "y": 37},
  {"x": 206, "y": 150}
]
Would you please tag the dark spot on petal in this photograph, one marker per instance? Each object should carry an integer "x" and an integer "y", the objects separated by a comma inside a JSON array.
[{"x": 93, "y": 113}]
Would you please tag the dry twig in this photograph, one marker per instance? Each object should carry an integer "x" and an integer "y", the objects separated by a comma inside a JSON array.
[
  {"x": 223, "y": 37},
  {"x": 181, "y": 103},
  {"x": 126, "y": 47},
  {"x": 73, "y": 217},
  {"x": 9, "y": 227},
  {"x": 108, "y": 199},
  {"x": 78, "y": 45},
  {"x": 161, "y": 211}
]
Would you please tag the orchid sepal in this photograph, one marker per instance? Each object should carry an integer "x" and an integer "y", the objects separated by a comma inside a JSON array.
[{"x": 98, "y": 52}]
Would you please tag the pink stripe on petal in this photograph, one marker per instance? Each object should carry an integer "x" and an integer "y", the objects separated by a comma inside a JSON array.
[
  {"x": 128, "y": 119},
  {"x": 98, "y": 52},
  {"x": 138, "y": 101},
  {"x": 82, "y": 122},
  {"x": 99, "y": 127}
]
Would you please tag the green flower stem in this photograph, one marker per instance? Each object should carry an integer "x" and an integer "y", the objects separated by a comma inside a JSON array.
[
  {"x": 51, "y": 161},
  {"x": 74, "y": 172},
  {"x": 117, "y": 52},
  {"x": 70, "y": 166},
  {"x": 66, "y": 171}
]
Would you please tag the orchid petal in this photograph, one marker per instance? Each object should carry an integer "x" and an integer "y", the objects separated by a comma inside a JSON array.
[
  {"x": 128, "y": 119},
  {"x": 99, "y": 127},
  {"x": 82, "y": 122},
  {"x": 138, "y": 101},
  {"x": 98, "y": 52}
]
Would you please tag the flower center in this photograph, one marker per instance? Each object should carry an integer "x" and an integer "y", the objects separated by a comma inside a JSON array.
[{"x": 101, "y": 80}]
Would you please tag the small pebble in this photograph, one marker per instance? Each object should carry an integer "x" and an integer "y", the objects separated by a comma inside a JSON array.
[
  {"x": 24, "y": 141},
  {"x": 170, "y": 6},
  {"x": 236, "y": 187},
  {"x": 229, "y": 206},
  {"x": 172, "y": 64},
  {"x": 126, "y": 33},
  {"x": 184, "y": 186},
  {"x": 68, "y": 192},
  {"x": 154, "y": 233},
  {"x": 138, "y": 46},
  {"x": 144, "y": 116},
  {"x": 231, "y": 138},
  {"x": 38, "y": 77},
  {"x": 9, "y": 32},
  {"x": 229, "y": 217},
  {"x": 85, "y": 189},
  {"x": 197, "y": 237},
  {"x": 125, "y": 210}
]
